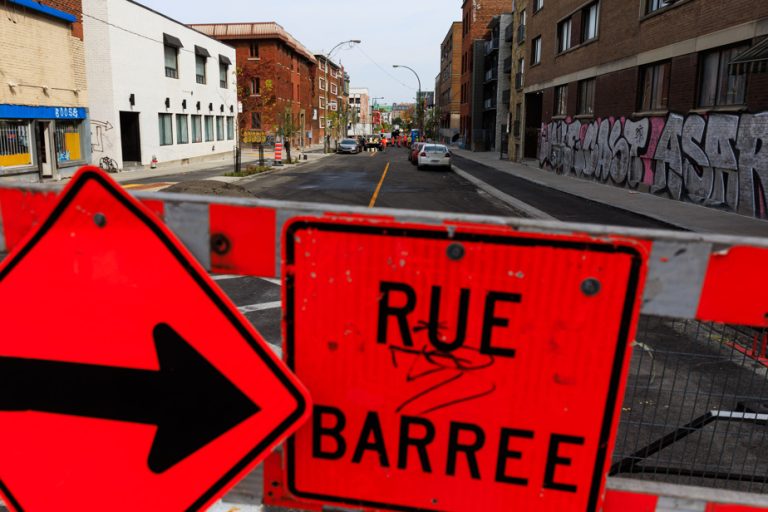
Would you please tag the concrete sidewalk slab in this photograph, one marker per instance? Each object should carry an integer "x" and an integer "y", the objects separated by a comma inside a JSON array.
[{"x": 684, "y": 215}]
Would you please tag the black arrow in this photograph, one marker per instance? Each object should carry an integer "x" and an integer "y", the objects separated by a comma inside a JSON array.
[{"x": 188, "y": 399}]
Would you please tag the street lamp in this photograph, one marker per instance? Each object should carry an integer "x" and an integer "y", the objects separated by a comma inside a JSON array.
[
  {"x": 327, "y": 142},
  {"x": 418, "y": 98}
]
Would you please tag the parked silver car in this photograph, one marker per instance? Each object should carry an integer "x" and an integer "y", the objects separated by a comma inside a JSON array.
[{"x": 348, "y": 146}]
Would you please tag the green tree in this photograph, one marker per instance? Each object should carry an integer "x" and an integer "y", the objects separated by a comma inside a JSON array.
[
  {"x": 432, "y": 124},
  {"x": 288, "y": 127}
]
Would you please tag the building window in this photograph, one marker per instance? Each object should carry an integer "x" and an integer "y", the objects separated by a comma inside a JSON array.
[
  {"x": 536, "y": 51},
  {"x": 197, "y": 129},
  {"x": 171, "y": 62},
  {"x": 223, "y": 75},
  {"x": 334, "y": 89},
  {"x": 220, "y": 128},
  {"x": 166, "y": 129},
  {"x": 322, "y": 84},
  {"x": 200, "y": 69},
  {"x": 67, "y": 138},
  {"x": 537, "y": 5},
  {"x": 230, "y": 128},
  {"x": 182, "y": 131},
  {"x": 564, "y": 35},
  {"x": 586, "y": 105},
  {"x": 322, "y": 122},
  {"x": 590, "y": 21},
  {"x": 322, "y": 102},
  {"x": 208, "y": 128},
  {"x": 254, "y": 51},
  {"x": 561, "y": 100},
  {"x": 654, "y": 87},
  {"x": 255, "y": 86},
  {"x": 719, "y": 85},
  {"x": 15, "y": 144},
  {"x": 655, "y": 5},
  {"x": 256, "y": 120}
]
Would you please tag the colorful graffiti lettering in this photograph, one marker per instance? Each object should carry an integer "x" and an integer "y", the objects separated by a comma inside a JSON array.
[{"x": 718, "y": 160}]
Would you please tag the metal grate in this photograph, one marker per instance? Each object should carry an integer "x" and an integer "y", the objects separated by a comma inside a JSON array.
[{"x": 695, "y": 410}]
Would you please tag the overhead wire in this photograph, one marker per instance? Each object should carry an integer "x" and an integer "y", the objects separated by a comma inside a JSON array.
[{"x": 384, "y": 70}]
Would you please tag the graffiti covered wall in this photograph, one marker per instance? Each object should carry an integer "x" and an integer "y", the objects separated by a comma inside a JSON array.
[{"x": 718, "y": 160}]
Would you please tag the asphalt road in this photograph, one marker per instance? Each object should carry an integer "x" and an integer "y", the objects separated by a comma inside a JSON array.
[{"x": 353, "y": 180}]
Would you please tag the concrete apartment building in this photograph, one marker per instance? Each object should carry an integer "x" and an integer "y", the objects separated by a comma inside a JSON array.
[
  {"x": 514, "y": 36},
  {"x": 359, "y": 102},
  {"x": 475, "y": 18},
  {"x": 158, "y": 90},
  {"x": 276, "y": 79},
  {"x": 332, "y": 102},
  {"x": 44, "y": 130},
  {"x": 448, "y": 87},
  {"x": 668, "y": 98}
]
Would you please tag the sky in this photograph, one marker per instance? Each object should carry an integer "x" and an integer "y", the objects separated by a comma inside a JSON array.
[{"x": 407, "y": 33}]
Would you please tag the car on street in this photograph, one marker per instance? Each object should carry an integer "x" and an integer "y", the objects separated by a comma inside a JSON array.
[
  {"x": 374, "y": 142},
  {"x": 413, "y": 154},
  {"x": 348, "y": 146},
  {"x": 434, "y": 155}
]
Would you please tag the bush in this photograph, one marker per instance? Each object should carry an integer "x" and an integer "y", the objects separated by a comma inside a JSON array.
[{"x": 249, "y": 170}]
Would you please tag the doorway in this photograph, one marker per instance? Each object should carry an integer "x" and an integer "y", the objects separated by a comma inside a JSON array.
[
  {"x": 45, "y": 163},
  {"x": 130, "y": 137},
  {"x": 533, "y": 112}
]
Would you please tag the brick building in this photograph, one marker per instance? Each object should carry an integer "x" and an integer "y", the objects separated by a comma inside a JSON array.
[
  {"x": 667, "y": 97},
  {"x": 514, "y": 36},
  {"x": 44, "y": 129},
  {"x": 476, "y": 15},
  {"x": 276, "y": 79},
  {"x": 333, "y": 93}
]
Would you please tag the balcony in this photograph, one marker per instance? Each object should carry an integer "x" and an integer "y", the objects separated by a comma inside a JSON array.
[
  {"x": 521, "y": 34},
  {"x": 492, "y": 74},
  {"x": 518, "y": 81},
  {"x": 489, "y": 104},
  {"x": 509, "y": 33},
  {"x": 491, "y": 46},
  {"x": 508, "y": 65}
]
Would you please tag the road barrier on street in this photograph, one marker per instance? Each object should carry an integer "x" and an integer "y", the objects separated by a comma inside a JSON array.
[
  {"x": 692, "y": 426},
  {"x": 278, "y": 152}
]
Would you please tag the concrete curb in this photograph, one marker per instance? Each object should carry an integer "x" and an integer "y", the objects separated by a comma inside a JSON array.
[{"x": 533, "y": 213}]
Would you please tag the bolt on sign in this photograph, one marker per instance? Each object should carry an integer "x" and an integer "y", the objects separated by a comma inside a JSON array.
[
  {"x": 139, "y": 385},
  {"x": 456, "y": 367}
]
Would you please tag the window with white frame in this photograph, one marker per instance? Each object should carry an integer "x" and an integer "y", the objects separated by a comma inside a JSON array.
[
  {"x": 536, "y": 51},
  {"x": 590, "y": 21},
  {"x": 334, "y": 89},
  {"x": 564, "y": 35},
  {"x": 655, "y": 5},
  {"x": 561, "y": 100},
  {"x": 322, "y": 102},
  {"x": 538, "y": 5},
  {"x": 322, "y": 84}
]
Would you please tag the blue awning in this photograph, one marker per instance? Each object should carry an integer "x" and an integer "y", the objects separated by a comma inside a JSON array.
[
  {"x": 33, "y": 112},
  {"x": 44, "y": 9}
]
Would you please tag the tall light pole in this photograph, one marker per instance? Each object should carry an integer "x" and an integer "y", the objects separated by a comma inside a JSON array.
[
  {"x": 327, "y": 141},
  {"x": 419, "y": 112}
]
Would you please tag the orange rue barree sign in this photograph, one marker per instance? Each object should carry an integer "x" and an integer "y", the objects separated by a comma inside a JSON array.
[{"x": 456, "y": 368}]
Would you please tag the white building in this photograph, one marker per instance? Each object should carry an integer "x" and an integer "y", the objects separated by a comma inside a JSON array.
[
  {"x": 359, "y": 102},
  {"x": 157, "y": 88}
]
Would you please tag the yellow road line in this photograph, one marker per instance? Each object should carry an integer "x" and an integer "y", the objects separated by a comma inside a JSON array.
[{"x": 378, "y": 187}]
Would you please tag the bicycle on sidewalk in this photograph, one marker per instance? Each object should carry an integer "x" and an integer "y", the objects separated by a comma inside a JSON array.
[{"x": 109, "y": 165}]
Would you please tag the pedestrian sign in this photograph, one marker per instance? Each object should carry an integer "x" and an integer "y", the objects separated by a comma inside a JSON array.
[
  {"x": 456, "y": 368},
  {"x": 127, "y": 377}
]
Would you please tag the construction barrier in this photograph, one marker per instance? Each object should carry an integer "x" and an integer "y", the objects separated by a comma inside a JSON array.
[
  {"x": 278, "y": 152},
  {"x": 675, "y": 373}
]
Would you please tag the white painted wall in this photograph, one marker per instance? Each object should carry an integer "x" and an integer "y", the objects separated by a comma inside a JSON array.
[{"x": 124, "y": 56}]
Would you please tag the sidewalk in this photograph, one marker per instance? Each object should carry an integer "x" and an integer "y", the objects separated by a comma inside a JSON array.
[
  {"x": 249, "y": 157},
  {"x": 684, "y": 215}
]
